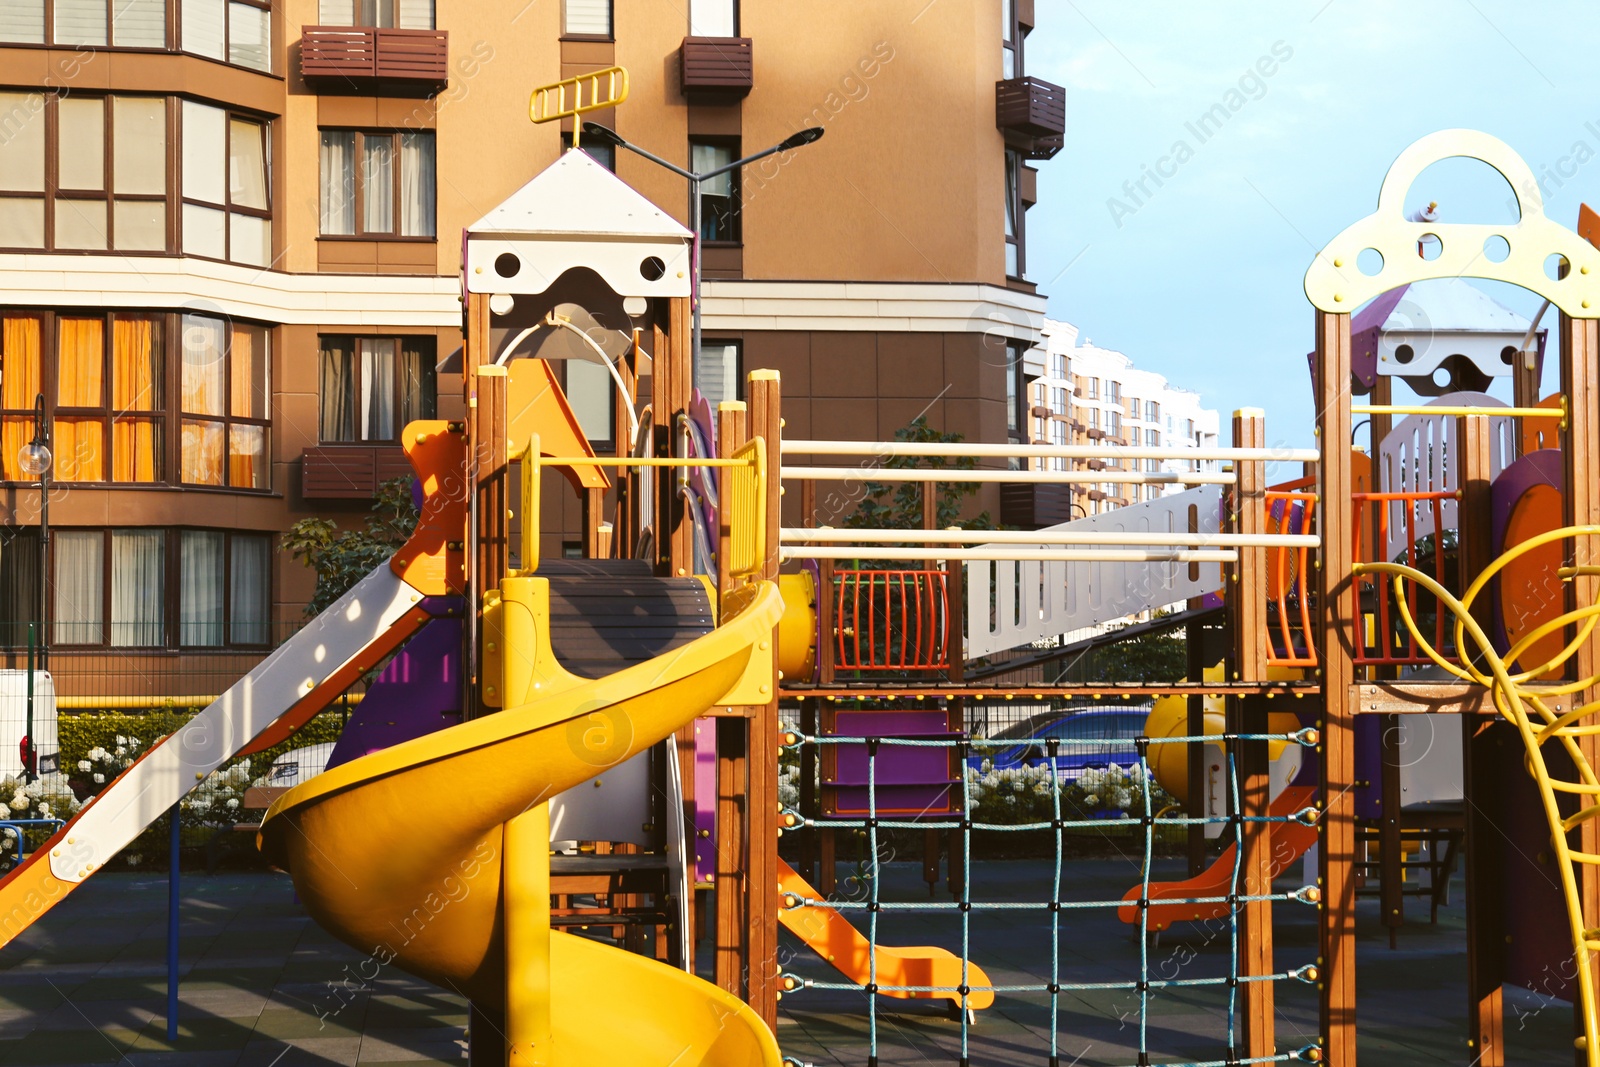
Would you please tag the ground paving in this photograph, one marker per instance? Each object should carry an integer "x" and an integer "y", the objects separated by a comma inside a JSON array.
[{"x": 263, "y": 986}]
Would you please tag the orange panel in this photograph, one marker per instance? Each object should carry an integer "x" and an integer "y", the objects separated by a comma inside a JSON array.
[
  {"x": 536, "y": 405},
  {"x": 433, "y": 560},
  {"x": 1530, "y": 591}
]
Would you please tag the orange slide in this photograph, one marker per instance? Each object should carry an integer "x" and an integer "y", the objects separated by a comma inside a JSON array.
[
  {"x": 832, "y": 937},
  {"x": 1289, "y": 842}
]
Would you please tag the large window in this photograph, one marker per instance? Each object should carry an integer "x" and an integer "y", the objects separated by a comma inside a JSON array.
[
  {"x": 226, "y": 393},
  {"x": 385, "y": 14},
  {"x": 1016, "y": 243},
  {"x": 373, "y": 386},
  {"x": 586, "y": 18},
  {"x": 713, "y": 18},
  {"x": 592, "y": 396},
  {"x": 232, "y": 31},
  {"x": 1010, "y": 40},
  {"x": 226, "y": 207},
  {"x": 718, "y": 372},
  {"x": 83, "y": 173},
  {"x": 145, "y": 587},
  {"x": 719, "y": 197},
  {"x": 378, "y": 184},
  {"x": 107, "y": 381}
]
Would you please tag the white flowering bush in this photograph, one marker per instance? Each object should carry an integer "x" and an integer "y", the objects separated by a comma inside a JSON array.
[
  {"x": 1011, "y": 795},
  {"x": 46, "y": 797},
  {"x": 789, "y": 785}
]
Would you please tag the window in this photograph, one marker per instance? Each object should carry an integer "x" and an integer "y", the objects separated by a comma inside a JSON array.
[
  {"x": 384, "y": 14},
  {"x": 719, "y": 372},
  {"x": 1114, "y": 422},
  {"x": 1113, "y": 391},
  {"x": 603, "y": 154},
  {"x": 378, "y": 183},
  {"x": 106, "y": 384},
  {"x": 1152, "y": 411},
  {"x": 19, "y": 585},
  {"x": 83, "y": 173},
  {"x": 226, "y": 212},
  {"x": 1094, "y": 388},
  {"x": 1058, "y": 365},
  {"x": 1016, "y": 391},
  {"x": 232, "y": 31},
  {"x": 713, "y": 18},
  {"x": 586, "y": 18},
  {"x": 113, "y": 588},
  {"x": 85, "y": 23},
  {"x": 225, "y": 392},
  {"x": 1015, "y": 263},
  {"x": 1010, "y": 40},
  {"x": 719, "y": 197},
  {"x": 373, "y": 386},
  {"x": 1058, "y": 398},
  {"x": 1094, "y": 418}
]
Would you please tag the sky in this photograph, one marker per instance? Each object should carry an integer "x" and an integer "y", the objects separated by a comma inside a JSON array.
[{"x": 1201, "y": 277}]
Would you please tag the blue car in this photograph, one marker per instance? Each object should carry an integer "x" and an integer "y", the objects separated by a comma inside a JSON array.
[{"x": 1105, "y": 725}]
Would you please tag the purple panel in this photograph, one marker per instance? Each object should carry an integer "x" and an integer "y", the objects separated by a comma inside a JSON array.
[
  {"x": 1538, "y": 949},
  {"x": 1369, "y": 768},
  {"x": 891, "y": 723},
  {"x": 910, "y": 800},
  {"x": 896, "y": 764},
  {"x": 705, "y": 799},
  {"x": 418, "y": 693},
  {"x": 1543, "y": 467},
  {"x": 1365, "y": 326},
  {"x": 909, "y": 779}
]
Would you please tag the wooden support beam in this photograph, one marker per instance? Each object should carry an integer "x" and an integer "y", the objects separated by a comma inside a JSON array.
[
  {"x": 1336, "y": 610},
  {"x": 766, "y": 421},
  {"x": 1485, "y": 861},
  {"x": 670, "y": 391},
  {"x": 1391, "y": 889},
  {"x": 1246, "y": 599},
  {"x": 1580, "y": 384}
]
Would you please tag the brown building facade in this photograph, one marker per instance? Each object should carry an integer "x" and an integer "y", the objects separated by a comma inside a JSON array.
[{"x": 230, "y": 256}]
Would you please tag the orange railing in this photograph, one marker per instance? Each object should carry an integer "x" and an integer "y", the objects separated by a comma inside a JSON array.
[
  {"x": 1291, "y": 509},
  {"x": 1381, "y": 638},
  {"x": 891, "y": 620}
]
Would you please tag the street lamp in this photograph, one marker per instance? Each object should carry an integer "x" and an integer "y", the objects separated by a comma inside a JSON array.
[
  {"x": 606, "y": 135},
  {"x": 35, "y": 458}
]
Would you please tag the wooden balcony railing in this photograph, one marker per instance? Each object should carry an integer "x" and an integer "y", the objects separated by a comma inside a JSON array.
[
  {"x": 717, "y": 66},
  {"x": 1032, "y": 113},
  {"x": 350, "y": 471},
  {"x": 365, "y": 58}
]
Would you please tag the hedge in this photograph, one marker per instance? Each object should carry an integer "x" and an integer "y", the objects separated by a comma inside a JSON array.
[{"x": 81, "y": 732}]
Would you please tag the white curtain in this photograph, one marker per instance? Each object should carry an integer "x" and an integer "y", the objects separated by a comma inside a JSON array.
[
  {"x": 416, "y": 14},
  {"x": 713, "y": 18},
  {"x": 139, "y": 23},
  {"x": 335, "y": 12},
  {"x": 200, "y": 594},
  {"x": 589, "y": 16},
  {"x": 377, "y": 389},
  {"x": 717, "y": 372},
  {"x": 247, "y": 163},
  {"x": 205, "y": 152},
  {"x": 338, "y": 182},
  {"x": 249, "y": 590},
  {"x": 250, "y": 36},
  {"x": 80, "y": 22},
  {"x": 204, "y": 345},
  {"x": 79, "y": 587},
  {"x": 337, "y": 397},
  {"x": 22, "y": 21},
  {"x": 138, "y": 587},
  {"x": 203, "y": 28},
  {"x": 417, "y": 190},
  {"x": 377, "y": 184}
]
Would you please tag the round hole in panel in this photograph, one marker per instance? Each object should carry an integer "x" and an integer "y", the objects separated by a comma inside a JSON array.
[
  {"x": 1556, "y": 266},
  {"x": 651, "y": 268},
  {"x": 1404, "y": 354},
  {"x": 1507, "y": 354},
  {"x": 1496, "y": 248},
  {"x": 1430, "y": 246},
  {"x": 1442, "y": 377},
  {"x": 506, "y": 264},
  {"x": 1369, "y": 261}
]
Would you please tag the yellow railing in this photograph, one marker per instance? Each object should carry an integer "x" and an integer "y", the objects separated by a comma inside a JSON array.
[
  {"x": 746, "y": 504},
  {"x": 1539, "y": 719},
  {"x": 566, "y": 98}
]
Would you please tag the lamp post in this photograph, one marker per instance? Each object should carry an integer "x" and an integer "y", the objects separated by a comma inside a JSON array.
[
  {"x": 34, "y": 458},
  {"x": 606, "y": 135}
]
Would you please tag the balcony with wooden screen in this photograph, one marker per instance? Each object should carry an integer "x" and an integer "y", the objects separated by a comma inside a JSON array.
[
  {"x": 717, "y": 67},
  {"x": 369, "y": 60}
]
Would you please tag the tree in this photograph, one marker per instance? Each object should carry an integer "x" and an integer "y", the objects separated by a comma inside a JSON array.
[
  {"x": 898, "y": 506},
  {"x": 342, "y": 558}
]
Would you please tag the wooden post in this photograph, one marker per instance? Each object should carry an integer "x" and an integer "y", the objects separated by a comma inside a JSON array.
[
  {"x": 732, "y": 743},
  {"x": 762, "y": 829},
  {"x": 1484, "y": 867},
  {"x": 1195, "y": 802},
  {"x": 1246, "y": 599},
  {"x": 1336, "y": 612},
  {"x": 956, "y": 707},
  {"x": 1580, "y": 347},
  {"x": 1391, "y": 886},
  {"x": 670, "y": 391}
]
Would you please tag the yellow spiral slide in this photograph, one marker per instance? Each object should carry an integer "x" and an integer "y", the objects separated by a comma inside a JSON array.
[{"x": 433, "y": 855}]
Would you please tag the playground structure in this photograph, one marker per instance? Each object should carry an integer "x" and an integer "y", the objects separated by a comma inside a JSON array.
[{"x": 650, "y": 673}]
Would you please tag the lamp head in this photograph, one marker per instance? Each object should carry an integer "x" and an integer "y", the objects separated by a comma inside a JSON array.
[
  {"x": 809, "y": 135},
  {"x": 34, "y": 458},
  {"x": 603, "y": 134}
]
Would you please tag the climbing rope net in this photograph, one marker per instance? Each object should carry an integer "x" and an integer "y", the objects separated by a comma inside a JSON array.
[{"x": 1146, "y": 985}]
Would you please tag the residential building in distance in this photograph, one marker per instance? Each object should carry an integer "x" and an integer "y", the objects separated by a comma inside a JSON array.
[
  {"x": 230, "y": 257},
  {"x": 1086, "y": 394}
]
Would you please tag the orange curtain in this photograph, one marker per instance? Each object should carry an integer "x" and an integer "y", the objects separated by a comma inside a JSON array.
[
  {"x": 79, "y": 450},
  {"x": 135, "y": 386},
  {"x": 19, "y": 384},
  {"x": 247, "y": 359},
  {"x": 202, "y": 452},
  {"x": 247, "y": 457},
  {"x": 80, "y": 363}
]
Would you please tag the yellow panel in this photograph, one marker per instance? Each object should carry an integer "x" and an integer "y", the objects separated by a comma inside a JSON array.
[
  {"x": 535, "y": 404},
  {"x": 1335, "y": 283}
]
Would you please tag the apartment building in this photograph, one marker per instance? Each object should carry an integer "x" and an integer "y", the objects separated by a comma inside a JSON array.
[
  {"x": 230, "y": 256},
  {"x": 1083, "y": 394}
]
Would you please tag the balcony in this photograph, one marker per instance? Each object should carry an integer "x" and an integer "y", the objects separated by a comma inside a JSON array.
[
  {"x": 1032, "y": 113},
  {"x": 332, "y": 472},
  {"x": 364, "y": 59},
  {"x": 717, "y": 68},
  {"x": 1032, "y": 507}
]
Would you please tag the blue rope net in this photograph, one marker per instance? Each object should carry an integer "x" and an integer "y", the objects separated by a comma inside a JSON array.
[{"x": 1145, "y": 985}]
